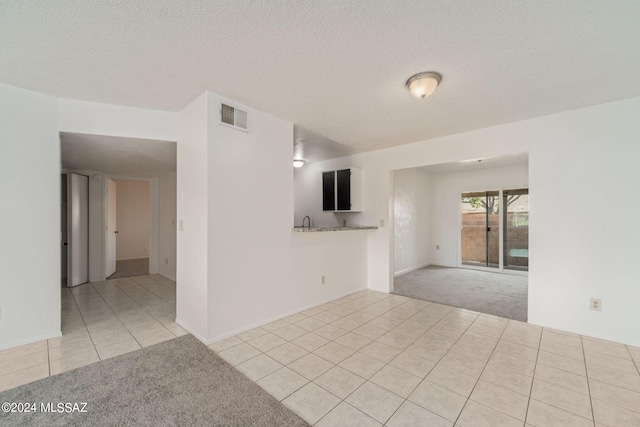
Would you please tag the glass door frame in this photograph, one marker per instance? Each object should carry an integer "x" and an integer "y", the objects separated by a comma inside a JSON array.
[{"x": 500, "y": 268}]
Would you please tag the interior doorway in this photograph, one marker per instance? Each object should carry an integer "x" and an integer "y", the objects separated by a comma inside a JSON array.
[
  {"x": 458, "y": 228},
  {"x": 102, "y": 158},
  {"x": 128, "y": 227}
]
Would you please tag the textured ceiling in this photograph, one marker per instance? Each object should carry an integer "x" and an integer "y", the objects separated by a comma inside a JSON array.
[
  {"x": 334, "y": 67},
  {"x": 116, "y": 155}
]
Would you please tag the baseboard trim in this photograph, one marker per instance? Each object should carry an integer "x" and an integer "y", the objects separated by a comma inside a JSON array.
[
  {"x": 31, "y": 340},
  {"x": 129, "y": 259},
  {"x": 166, "y": 277},
  {"x": 281, "y": 316},
  {"x": 191, "y": 331},
  {"x": 410, "y": 269}
]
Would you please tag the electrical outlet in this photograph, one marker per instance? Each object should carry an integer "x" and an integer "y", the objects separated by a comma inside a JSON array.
[
  {"x": 382, "y": 223},
  {"x": 322, "y": 280},
  {"x": 180, "y": 225},
  {"x": 596, "y": 304}
]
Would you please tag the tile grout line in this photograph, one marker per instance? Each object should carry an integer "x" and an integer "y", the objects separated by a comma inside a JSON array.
[
  {"x": 335, "y": 364},
  {"x": 535, "y": 367},
  {"x": 384, "y": 364},
  {"x": 146, "y": 288},
  {"x": 479, "y": 376},
  {"x": 116, "y": 314},
  {"x": 83, "y": 319},
  {"x": 143, "y": 309},
  {"x": 150, "y": 313},
  {"x": 436, "y": 362},
  {"x": 124, "y": 291},
  {"x": 637, "y": 364},
  {"x": 568, "y": 389},
  {"x": 404, "y": 399},
  {"x": 356, "y": 351},
  {"x": 413, "y": 342},
  {"x": 586, "y": 372}
]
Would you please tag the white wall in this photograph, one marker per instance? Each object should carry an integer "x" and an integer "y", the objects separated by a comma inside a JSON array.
[
  {"x": 587, "y": 158},
  {"x": 239, "y": 262},
  {"x": 116, "y": 120},
  {"x": 192, "y": 268},
  {"x": 585, "y": 154},
  {"x": 30, "y": 217},
  {"x": 259, "y": 269},
  {"x": 412, "y": 200},
  {"x": 167, "y": 226},
  {"x": 30, "y": 162},
  {"x": 133, "y": 216},
  {"x": 445, "y": 214}
]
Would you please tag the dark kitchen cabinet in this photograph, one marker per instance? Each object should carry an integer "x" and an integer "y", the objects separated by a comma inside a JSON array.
[{"x": 341, "y": 190}]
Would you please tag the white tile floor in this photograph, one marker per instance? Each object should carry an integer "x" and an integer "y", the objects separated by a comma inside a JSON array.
[
  {"x": 99, "y": 320},
  {"x": 367, "y": 359},
  {"x": 373, "y": 359}
]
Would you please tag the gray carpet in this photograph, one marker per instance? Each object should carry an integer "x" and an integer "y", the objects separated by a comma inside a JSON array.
[
  {"x": 175, "y": 383},
  {"x": 503, "y": 295},
  {"x": 131, "y": 267}
]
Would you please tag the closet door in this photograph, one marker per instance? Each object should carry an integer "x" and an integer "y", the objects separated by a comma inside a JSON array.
[{"x": 78, "y": 229}]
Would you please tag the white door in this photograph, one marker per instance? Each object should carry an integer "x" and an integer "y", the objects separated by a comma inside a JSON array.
[
  {"x": 78, "y": 229},
  {"x": 112, "y": 232}
]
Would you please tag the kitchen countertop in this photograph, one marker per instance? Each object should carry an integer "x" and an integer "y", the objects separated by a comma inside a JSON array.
[{"x": 321, "y": 229}]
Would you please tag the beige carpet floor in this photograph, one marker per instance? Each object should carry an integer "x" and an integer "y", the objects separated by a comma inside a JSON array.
[
  {"x": 175, "y": 383},
  {"x": 503, "y": 295}
]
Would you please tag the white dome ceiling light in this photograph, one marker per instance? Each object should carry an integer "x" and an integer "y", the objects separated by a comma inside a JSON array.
[{"x": 423, "y": 84}]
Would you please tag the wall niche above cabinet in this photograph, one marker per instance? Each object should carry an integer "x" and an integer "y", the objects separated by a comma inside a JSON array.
[{"x": 342, "y": 190}]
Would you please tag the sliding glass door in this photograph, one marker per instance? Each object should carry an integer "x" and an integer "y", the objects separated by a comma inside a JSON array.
[
  {"x": 515, "y": 235},
  {"x": 480, "y": 229},
  {"x": 495, "y": 229}
]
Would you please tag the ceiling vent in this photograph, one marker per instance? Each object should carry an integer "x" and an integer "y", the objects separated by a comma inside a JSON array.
[{"x": 233, "y": 117}]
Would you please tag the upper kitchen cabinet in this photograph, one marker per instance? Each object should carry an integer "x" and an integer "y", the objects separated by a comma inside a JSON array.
[{"x": 342, "y": 190}]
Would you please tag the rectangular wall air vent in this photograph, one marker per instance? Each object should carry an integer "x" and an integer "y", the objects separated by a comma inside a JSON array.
[{"x": 233, "y": 117}]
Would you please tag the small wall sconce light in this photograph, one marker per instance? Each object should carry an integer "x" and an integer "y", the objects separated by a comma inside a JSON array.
[
  {"x": 297, "y": 163},
  {"x": 423, "y": 84}
]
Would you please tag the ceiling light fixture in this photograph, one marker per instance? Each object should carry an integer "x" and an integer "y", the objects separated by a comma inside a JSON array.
[
  {"x": 423, "y": 84},
  {"x": 298, "y": 163}
]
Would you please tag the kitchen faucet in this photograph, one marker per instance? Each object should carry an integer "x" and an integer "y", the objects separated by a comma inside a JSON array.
[{"x": 306, "y": 218}]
